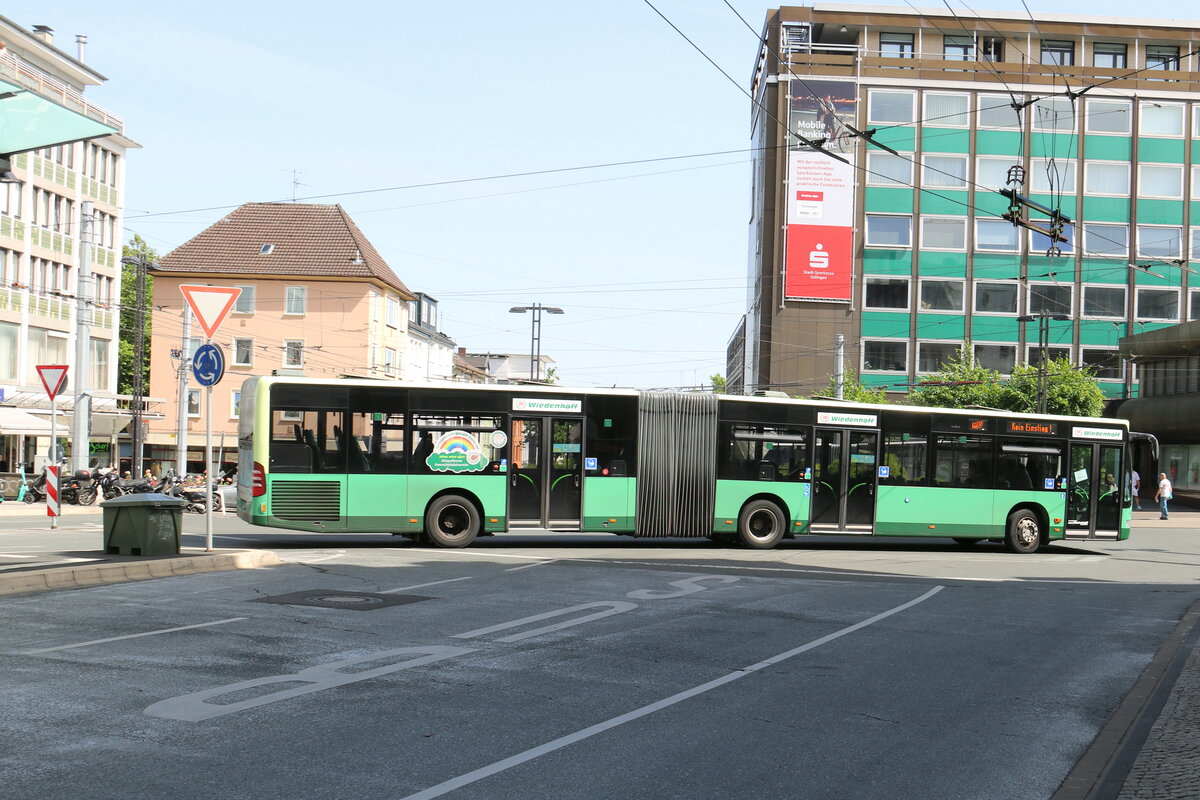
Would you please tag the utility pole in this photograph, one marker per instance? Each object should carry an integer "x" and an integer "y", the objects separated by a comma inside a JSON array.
[
  {"x": 81, "y": 417},
  {"x": 185, "y": 366},
  {"x": 839, "y": 379}
]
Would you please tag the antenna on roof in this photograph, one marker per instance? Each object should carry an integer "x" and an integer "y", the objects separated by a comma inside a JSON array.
[{"x": 296, "y": 173}]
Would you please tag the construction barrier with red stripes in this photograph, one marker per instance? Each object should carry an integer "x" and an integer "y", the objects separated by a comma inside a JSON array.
[{"x": 52, "y": 491}]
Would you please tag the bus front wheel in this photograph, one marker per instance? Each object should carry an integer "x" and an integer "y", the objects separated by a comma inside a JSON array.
[
  {"x": 452, "y": 521},
  {"x": 1024, "y": 532},
  {"x": 761, "y": 525}
]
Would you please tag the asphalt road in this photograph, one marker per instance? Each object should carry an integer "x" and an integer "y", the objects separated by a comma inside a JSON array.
[{"x": 583, "y": 667}]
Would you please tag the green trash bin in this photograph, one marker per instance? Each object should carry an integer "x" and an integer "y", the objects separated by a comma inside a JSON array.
[{"x": 147, "y": 524}]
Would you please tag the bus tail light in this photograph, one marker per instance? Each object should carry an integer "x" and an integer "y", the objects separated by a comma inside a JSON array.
[{"x": 258, "y": 481}]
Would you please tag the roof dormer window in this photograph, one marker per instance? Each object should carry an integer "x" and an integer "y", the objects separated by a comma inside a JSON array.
[{"x": 266, "y": 250}]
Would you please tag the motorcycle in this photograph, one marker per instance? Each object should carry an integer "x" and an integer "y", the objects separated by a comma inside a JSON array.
[
  {"x": 76, "y": 489},
  {"x": 192, "y": 496}
]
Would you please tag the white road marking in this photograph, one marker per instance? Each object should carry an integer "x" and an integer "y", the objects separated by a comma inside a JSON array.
[
  {"x": 466, "y": 553},
  {"x": 520, "y": 758},
  {"x": 617, "y": 607},
  {"x": 531, "y": 566},
  {"x": 306, "y": 558},
  {"x": 423, "y": 585},
  {"x": 14, "y": 555},
  {"x": 131, "y": 636}
]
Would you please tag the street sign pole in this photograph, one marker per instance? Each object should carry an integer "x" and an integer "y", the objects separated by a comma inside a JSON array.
[
  {"x": 52, "y": 484},
  {"x": 208, "y": 471}
]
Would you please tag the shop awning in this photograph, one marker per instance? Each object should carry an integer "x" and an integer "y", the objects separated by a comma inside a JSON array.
[
  {"x": 29, "y": 121},
  {"x": 14, "y": 421}
]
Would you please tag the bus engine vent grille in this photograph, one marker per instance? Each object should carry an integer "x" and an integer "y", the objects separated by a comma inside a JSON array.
[{"x": 307, "y": 501}]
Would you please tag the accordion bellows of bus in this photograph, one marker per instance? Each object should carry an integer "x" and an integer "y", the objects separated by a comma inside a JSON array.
[{"x": 445, "y": 463}]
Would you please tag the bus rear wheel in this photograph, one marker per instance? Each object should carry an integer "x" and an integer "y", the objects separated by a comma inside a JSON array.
[
  {"x": 761, "y": 525},
  {"x": 1024, "y": 532},
  {"x": 452, "y": 521}
]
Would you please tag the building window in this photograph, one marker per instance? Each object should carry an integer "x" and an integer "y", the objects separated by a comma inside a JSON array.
[
  {"x": 931, "y": 356},
  {"x": 887, "y": 294},
  {"x": 1105, "y": 363},
  {"x": 1049, "y": 298},
  {"x": 995, "y": 298},
  {"x": 1105, "y": 240},
  {"x": 1158, "y": 119},
  {"x": 1158, "y": 304},
  {"x": 1104, "y": 301},
  {"x": 996, "y": 235},
  {"x": 1052, "y": 177},
  {"x": 890, "y": 107},
  {"x": 235, "y": 405},
  {"x": 885, "y": 169},
  {"x": 1106, "y": 178},
  {"x": 1058, "y": 52},
  {"x": 1054, "y": 114},
  {"x": 958, "y": 47},
  {"x": 889, "y": 230},
  {"x": 885, "y": 356},
  {"x": 1159, "y": 241},
  {"x": 1040, "y": 242},
  {"x": 9, "y": 336},
  {"x": 297, "y": 300},
  {"x": 939, "y": 295},
  {"x": 245, "y": 301},
  {"x": 896, "y": 45},
  {"x": 389, "y": 361},
  {"x": 293, "y": 352},
  {"x": 1000, "y": 357},
  {"x": 992, "y": 173},
  {"x": 393, "y": 311},
  {"x": 943, "y": 233},
  {"x": 193, "y": 402},
  {"x": 1162, "y": 57},
  {"x": 1109, "y": 55},
  {"x": 266, "y": 250},
  {"x": 996, "y": 111},
  {"x": 1033, "y": 354},
  {"x": 991, "y": 48},
  {"x": 1193, "y": 306},
  {"x": 1160, "y": 180},
  {"x": 948, "y": 172},
  {"x": 99, "y": 372},
  {"x": 1195, "y": 249},
  {"x": 243, "y": 352},
  {"x": 1109, "y": 116}
]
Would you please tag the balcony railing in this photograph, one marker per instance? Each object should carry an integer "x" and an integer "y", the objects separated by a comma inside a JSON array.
[{"x": 16, "y": 70}]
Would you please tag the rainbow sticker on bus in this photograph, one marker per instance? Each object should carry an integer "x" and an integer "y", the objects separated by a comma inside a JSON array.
[{"x": 456, "y": 451}]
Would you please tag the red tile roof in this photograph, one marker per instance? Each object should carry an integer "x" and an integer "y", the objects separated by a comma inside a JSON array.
[{"x": 309, "y": 240}]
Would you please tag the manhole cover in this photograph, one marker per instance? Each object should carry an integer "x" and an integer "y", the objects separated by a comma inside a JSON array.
[{"x": 351, "y": 601}]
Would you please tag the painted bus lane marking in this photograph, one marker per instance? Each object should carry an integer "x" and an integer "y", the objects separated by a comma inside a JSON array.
[{"x": 196, "y": 706}]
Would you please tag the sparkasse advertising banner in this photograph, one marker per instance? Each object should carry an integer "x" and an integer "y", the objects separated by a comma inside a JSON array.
[{"x": 820, "y": 192}]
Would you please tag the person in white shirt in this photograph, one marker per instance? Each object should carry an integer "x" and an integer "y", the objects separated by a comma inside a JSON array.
[
  {"x": 1137, "y": 490},
  {"x": 1163, "y": 494}
]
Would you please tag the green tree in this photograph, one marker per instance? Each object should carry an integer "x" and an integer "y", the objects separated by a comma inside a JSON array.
[
  {"x": 855, "y": 391},
  {"x": 135, "y": 248},
  {"x": 961, "y": 382},
  {"x": 551, "y": 375},
  {"x": 718, "y": 383},
  {"x": 1071, "y": 390}
]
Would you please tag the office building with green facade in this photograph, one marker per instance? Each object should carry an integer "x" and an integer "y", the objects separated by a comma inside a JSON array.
[{"x": 884, "y": 138}]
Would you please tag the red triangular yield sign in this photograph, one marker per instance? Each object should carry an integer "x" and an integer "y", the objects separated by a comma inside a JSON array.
[
  {"x": 210, "y": 304},
  {"x": 53, "y": 377}
]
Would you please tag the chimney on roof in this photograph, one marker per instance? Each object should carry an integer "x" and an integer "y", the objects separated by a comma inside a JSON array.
[
  {"x": 44, "y": 32},
  {"x": 80, "y": 42}
]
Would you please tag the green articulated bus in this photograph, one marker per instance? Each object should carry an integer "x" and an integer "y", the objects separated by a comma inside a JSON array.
[{"x": 447, "y": 463}]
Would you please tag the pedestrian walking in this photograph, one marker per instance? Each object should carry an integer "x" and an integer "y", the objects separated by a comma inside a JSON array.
[
  {"x": 1163, "y": 494},
  {"x": 1137, "y": 490}
]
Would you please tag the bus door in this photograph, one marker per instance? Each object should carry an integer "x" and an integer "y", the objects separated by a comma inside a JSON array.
[
  {"x": 1094, "y": 491},
  {"x": 844, "y": 472},
  {"x": 546, "y": 473}
]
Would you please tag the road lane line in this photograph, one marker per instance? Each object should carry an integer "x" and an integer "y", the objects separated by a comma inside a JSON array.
[
  {"x": 549, "y": 747},
  {"x": 131, "y": 636},
  {"x": 465, "y": 553},
  {"x": 423, "y": 585},
  {"x": 531, "y": 566}
]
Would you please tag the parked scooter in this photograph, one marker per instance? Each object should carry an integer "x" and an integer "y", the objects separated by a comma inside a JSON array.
[
  {"x": 35, "y": 488},
  {"x": 78, "y": 489},
  {"x": 192, "y": 496}
]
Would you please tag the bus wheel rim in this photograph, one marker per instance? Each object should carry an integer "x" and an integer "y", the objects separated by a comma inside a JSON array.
[
  {"x": 1027, "y": 530},
  {"x": 762, "y": 524}
]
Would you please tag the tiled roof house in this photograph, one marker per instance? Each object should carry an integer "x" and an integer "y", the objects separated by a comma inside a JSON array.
[{"x": 317, "y": 299}]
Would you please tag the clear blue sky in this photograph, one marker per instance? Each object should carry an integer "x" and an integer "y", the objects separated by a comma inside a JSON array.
[{"x": 648, "y": 260}]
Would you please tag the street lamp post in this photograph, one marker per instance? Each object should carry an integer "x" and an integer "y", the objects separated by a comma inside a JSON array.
[
  {"x": 1043, "y": 375},
  {"x": 535, "y": 341}
]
